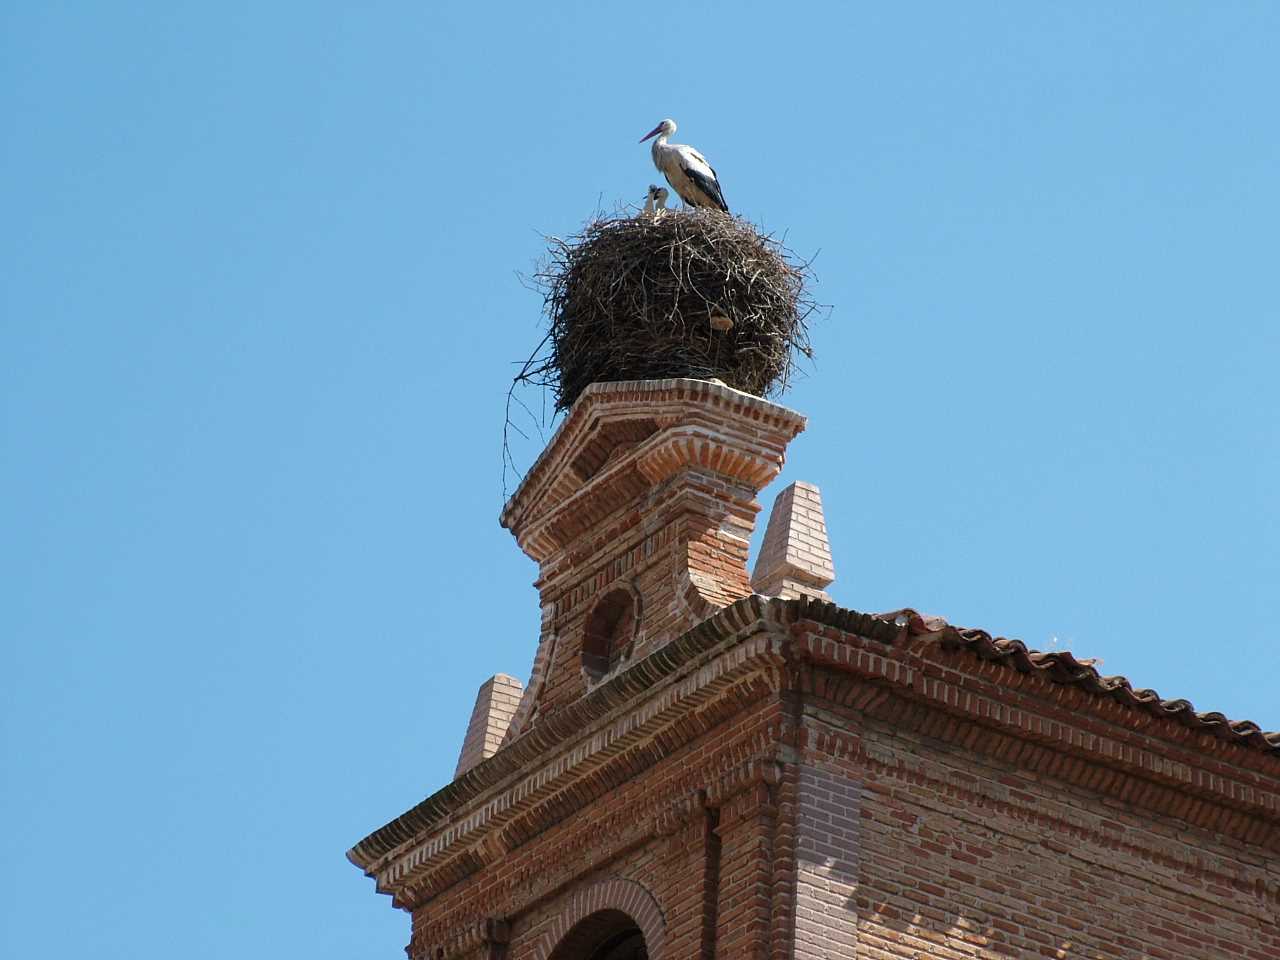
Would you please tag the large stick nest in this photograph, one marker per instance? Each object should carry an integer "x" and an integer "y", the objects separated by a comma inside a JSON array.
[{"x": 646, "y": 298}]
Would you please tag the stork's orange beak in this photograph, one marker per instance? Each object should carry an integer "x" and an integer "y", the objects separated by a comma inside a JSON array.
[{"x": 652, "y": 133}]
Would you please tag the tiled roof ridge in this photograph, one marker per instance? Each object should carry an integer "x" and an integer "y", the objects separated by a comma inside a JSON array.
[{"x": 1062, "y": 666}]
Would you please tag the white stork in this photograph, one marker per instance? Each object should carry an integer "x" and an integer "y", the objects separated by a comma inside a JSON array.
[
  {"x": 685, "y": 169},
  {"x": 655, "y": 201}
]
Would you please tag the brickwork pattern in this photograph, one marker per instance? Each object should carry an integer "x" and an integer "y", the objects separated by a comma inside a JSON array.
[
  {"x": 496, "y": 703},
  {"x": 615, "y": 894},
  {"x": 826, "y": 918},
  {"x": 650, "y": 568},
  {"x": 960, "y": 857},
  {"x": 745, "y": 897},
  {"x": 650, "y": 486},
  {"x": 661, "y": 830},
  {"x": 795, "y": 556}
]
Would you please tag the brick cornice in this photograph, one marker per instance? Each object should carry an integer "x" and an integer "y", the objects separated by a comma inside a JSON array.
[
  {"x": 682, "y": 409},
  {"x": 869, "y": 664},
  {"x": 911, "y": 659},
  {"x": 553, "y": 794},
  {"x": 605, "y": 738},
  {"x": 921, "y": 683},
  {"x": 676, "y": 658}
]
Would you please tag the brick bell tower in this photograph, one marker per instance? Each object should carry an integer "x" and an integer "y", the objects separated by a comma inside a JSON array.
[
  {"x": 708, "y": 763},
  {"x": 639, "y": 514}
]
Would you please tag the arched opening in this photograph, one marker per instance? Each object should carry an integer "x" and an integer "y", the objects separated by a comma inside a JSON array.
[
  {"x": 604, "y": 935},
  {"x": 609, "y": 630}
]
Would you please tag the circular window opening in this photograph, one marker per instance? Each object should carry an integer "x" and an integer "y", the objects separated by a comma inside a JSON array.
[{"x": 610, "y": 628}]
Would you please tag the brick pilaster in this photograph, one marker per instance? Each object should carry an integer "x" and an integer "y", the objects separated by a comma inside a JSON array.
[
  {"x": 826, "y": 921},
  {"x": 745, "y": 903}
]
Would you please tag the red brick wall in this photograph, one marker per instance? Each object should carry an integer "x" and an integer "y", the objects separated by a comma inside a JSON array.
[
  {"x": 827, "y": 820},
  {"x": 920, "y": 849},
  {"x": 745, "y": 896},
  {"x": 651, "y": 563}
]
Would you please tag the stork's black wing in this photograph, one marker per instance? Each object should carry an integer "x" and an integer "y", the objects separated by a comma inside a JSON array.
[{"x": 708, "y": 185}]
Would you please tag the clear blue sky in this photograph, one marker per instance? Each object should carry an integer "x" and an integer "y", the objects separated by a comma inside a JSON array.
[{"x": 258, "y": 307}]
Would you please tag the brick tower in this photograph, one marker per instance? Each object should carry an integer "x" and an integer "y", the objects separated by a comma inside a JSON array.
[{"x": 711, "y": 763}]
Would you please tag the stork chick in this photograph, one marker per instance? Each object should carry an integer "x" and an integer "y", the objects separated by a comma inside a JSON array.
[
  {"x": 655, "y": 201},
  {"x": 685, "y": 169}
]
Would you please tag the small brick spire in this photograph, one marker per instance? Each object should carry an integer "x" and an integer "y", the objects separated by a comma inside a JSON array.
[
  {"x": 496, "y": 704},
  {"x": 795, "y": 558}
]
